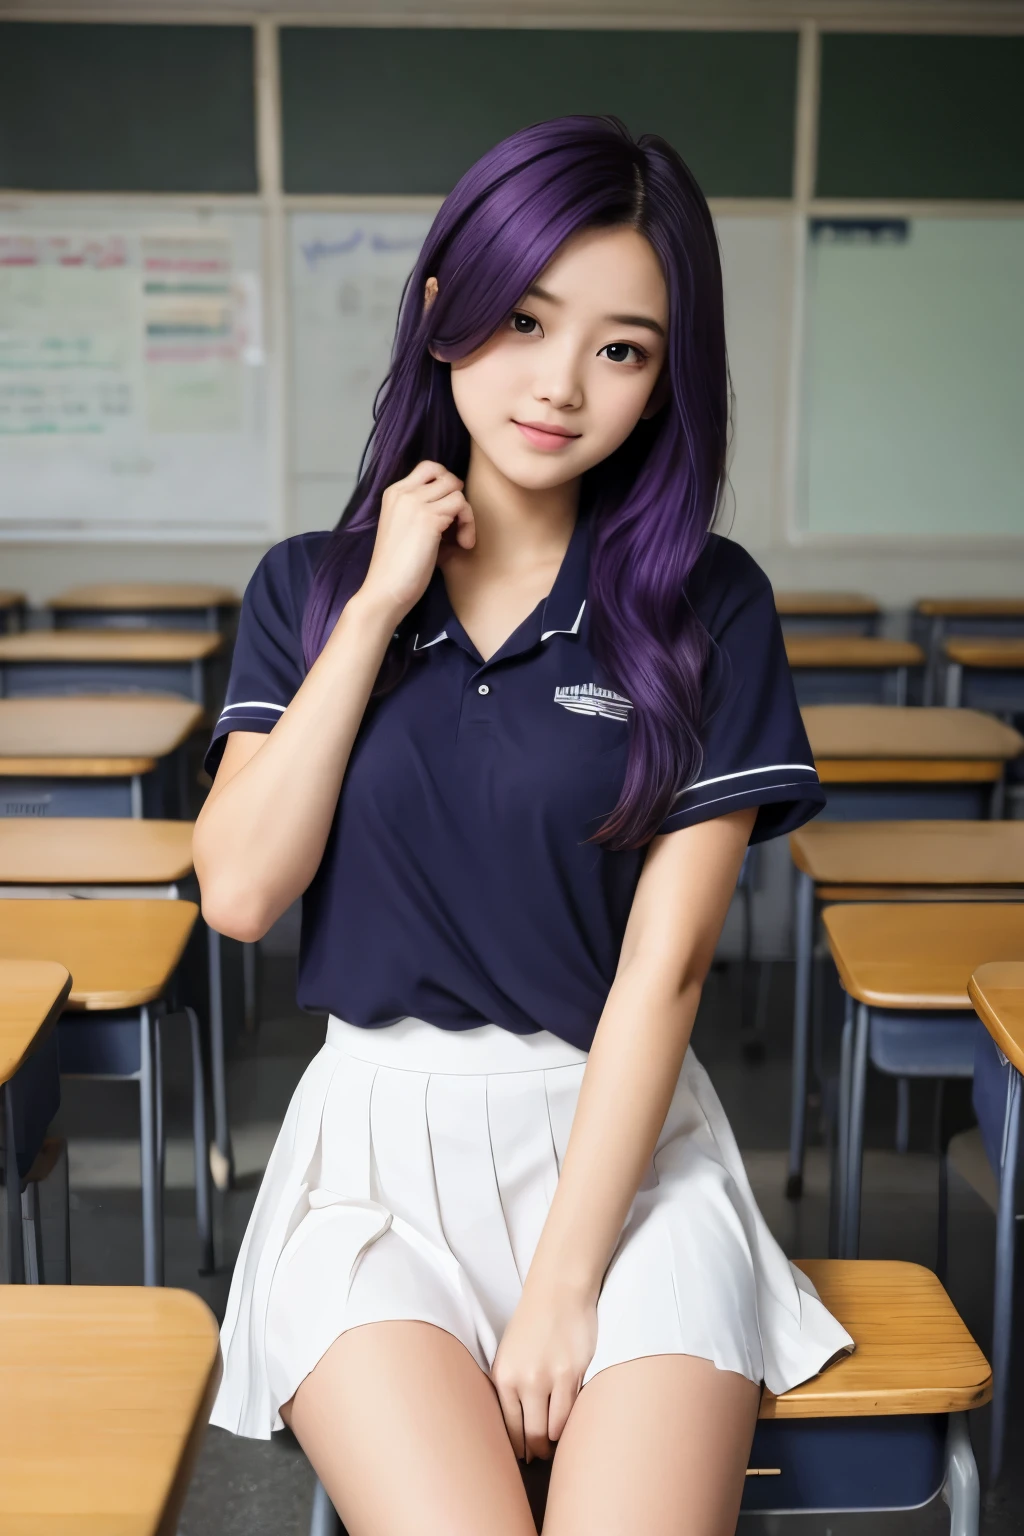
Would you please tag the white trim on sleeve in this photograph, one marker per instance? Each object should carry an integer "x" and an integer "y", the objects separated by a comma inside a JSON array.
[
  {"x": 746, "y": 772},
  {"x": 252, "y": 704}
]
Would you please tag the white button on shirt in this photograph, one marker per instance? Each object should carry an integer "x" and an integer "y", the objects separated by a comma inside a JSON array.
[{"x": 483, "y": 688}]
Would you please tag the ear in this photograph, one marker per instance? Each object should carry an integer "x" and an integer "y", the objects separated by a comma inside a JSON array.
[
  {"x": 429, "y": 293},
  {"x": 659, "y": 396}
]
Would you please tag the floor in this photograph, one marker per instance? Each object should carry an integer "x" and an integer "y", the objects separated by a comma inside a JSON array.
[{"x": 264, "y": 1488}]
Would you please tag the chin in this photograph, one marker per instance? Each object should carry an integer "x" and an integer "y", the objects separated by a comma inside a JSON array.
[{"x": 537, "y": 473}]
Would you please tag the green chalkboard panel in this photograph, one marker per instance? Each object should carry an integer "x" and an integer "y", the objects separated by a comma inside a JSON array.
[
  {"x": 112, "y": 108},
  {"x": 921, "y": 116},
  {"x": 407, "y": 110}
]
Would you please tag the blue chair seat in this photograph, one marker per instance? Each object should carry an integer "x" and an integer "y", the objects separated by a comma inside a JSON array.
[{"x": 905, "y": 1044}]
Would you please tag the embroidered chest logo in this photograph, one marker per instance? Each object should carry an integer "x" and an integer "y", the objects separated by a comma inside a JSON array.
[{"x": 589, "y": 699}]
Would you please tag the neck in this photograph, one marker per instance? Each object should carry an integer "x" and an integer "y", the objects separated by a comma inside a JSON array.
[{"x": 515, "y": 526}]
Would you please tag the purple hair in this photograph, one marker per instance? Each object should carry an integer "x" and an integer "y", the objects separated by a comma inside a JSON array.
[{"x": 652, "y": 501}]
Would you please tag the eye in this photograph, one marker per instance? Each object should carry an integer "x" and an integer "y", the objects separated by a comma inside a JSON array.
[
  {"x": 619, "y": 352},
  {"x": 523, "y": 325}
]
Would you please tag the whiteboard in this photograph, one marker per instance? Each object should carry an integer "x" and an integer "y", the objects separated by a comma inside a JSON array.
[
  {"x": 135, "y": 391},
  {"x": 346, "y": 274},
  {"x": 913, "y": 424}
]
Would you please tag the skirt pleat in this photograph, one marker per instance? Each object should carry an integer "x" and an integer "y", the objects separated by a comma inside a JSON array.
[{"x": 412, "y": 1178}]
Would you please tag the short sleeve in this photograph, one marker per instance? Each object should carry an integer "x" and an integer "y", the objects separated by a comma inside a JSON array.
[
  {"x": 267, "y": 665},
  {"x": 755, "y": 747}
]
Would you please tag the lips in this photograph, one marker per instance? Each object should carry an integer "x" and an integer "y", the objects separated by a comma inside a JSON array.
[{"x": 551, "y": 438}]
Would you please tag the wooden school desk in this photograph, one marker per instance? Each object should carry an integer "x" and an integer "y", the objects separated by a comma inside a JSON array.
[
  {"x": 851, "y": 669},
  {"x": 885, "y": 861},
  {"x": 90, "y": 756},
  {"x": 935, "y": 618},
  {"x": 985, "y": 674},
  {"x": 141, "y": 604},
  {"x": 12, "y": 610},
  {"x": 32, "y": 994},
  {"x": 122, "y": 956},
  {"x": 99, "y": 661},
  {"x": 877, "y": 761},
  {"x": 105, "y": 1397},
  {"x": 905, "y": 969},
  {"x": 997, "y": 992},
  {"x": 884, "y": 1427},
  {"x": 92, "y": 856},
  {"x": 827, "y": 613}
]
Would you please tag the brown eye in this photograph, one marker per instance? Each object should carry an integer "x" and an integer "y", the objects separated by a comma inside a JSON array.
[{"x": 523, "y": 325}]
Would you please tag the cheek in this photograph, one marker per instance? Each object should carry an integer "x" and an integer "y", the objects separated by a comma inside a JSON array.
[
  {"x": 615, "y": 406},
  {"x": 482, "y": 390}
]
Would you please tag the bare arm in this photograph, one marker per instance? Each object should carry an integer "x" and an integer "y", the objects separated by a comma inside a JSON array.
[
  {"x": 261, "y": 835},
  {"x": 675, "y": 920}
]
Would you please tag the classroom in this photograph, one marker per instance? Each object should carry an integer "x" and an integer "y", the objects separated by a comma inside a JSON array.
[{"x": 212, "y": 219}]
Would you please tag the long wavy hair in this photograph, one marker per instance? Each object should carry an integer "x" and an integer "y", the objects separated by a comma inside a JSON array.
[{"x": 652, "y": 502}]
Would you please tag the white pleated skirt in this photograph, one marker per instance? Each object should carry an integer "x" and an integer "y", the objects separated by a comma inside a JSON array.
[{"x": 411, "y": 1179}]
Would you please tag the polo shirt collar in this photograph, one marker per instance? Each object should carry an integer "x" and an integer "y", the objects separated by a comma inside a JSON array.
[{"x": 560, "y": 613}]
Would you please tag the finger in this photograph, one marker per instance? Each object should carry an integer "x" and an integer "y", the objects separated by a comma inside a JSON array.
[
  {"x": 512, "y": 1413},
  {"x": 433, "y": 490},
  {"x": 563, "y": 1395},
  {"x": 535, "y": 1425},
  {"x": 447, "y": 508},
  {"x": 466, "y": 529},
  {"x": 425, "y": 471}
]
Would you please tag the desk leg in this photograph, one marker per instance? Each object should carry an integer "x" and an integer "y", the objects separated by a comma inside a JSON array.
[
  {"x": 221, "y": 1157},
  {"x": 931, "y": 666},
  {"x": 804, "y": 935},
  {"x": 962, "y": 1488},
  {"x": 148, "y": 1150},
  {"x": 954, "y": 685},
  {"x": 1002, "y": 1307},
  {"x": 901, "y": 687},
  {"x": 136, "y": 797},
  {"x": 855, "y": 1134},
  {"x": 200, "y": 1144},
  {"x": 15, "y": 1246},
  {"x": 837, "y": 1188},
  {"x": 250, "y": 964}
]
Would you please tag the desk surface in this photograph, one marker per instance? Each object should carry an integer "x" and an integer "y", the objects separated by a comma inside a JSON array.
[
  {"x": 102, "y": 727},
  {"x": 831, "y": 604},
  {"x": 97, "y": 850},
  {"x": 146, "y": 595},
  {"x": 997, "y": 992},
  {"x": 120, "y": 953},
  {"x": 32, "y": 994},
  {"x": 971, "y": 607},
  {"x": 851, "y": 651},
  {"x": 978, "y": 651},
  {"x": 903, "y": 852},
  {"x": 105, "y": 1393},
  {"x": 914, "y": 1353},
  {"x": 905, "y": 732},
  {"x": 920, "y": 954},
  {"x": 142, "y": 645}
]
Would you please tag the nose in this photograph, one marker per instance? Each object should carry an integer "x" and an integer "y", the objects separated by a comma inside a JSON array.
[{"x": 559, "y": 378}]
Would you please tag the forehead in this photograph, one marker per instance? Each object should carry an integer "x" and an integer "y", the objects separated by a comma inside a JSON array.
[{"x": 613, "y": 271}]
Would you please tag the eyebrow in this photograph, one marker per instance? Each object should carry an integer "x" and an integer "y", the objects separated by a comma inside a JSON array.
[{"x": 643, "y": 321}]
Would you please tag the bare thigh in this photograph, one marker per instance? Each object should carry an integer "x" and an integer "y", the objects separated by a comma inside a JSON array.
[
  {"x": 405, "y": 1433},
  {"x": 658, "y": 1445}
]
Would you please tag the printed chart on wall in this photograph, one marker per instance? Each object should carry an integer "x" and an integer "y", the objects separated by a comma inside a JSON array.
[
  {"x": 346, "y": 276},
  {"x": 133, "y": 389}
]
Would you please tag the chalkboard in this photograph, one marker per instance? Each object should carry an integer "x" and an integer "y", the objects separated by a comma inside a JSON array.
[
  {"x": 113, "y": 108},
  {"x": 386, "y": 110},
  {"x": 922, "y": 117},
  {"x": 913, "y": 380}
]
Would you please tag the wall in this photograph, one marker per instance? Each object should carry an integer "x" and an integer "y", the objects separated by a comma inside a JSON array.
[{"x": 764, "y": 515}]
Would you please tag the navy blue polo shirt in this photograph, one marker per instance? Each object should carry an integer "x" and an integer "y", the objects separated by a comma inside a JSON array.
[{"x": 456, "y": 884}]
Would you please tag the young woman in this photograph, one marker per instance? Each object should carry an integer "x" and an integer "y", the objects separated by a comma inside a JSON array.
[{"x": 508, "y": 730}]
